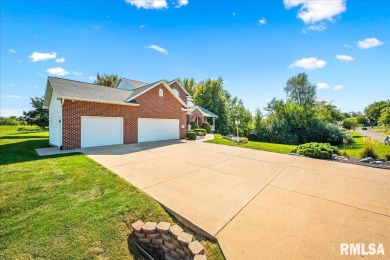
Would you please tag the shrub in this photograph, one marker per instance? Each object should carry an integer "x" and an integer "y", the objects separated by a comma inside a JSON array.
[
  {"x": 194, "y": 125},
  {"x": 200, "y": 131},
  {"x": 207, "y": 126},
  {"x": 317, "y": 150},
  {"x": 387, "y": 156},
  {"x": 368, "y": 150},
  {"x": 191, "y": 135},
  {"x": 8, "y": 121}
]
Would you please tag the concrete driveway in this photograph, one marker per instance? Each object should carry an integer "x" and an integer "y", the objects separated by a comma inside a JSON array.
[{"x": 259, "y": 205}]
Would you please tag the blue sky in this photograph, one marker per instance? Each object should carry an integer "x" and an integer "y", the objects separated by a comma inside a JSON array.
[{"x": 255, "y": 46}]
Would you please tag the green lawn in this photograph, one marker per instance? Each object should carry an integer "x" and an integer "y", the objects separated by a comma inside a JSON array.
[
  {"x": 353, "y": 150},
  {"x": 356, "y": 148},
  {"x": 382, "y": 129},
  {"x": 66, "y": 206},
  {"x": 269, "y": 147}
]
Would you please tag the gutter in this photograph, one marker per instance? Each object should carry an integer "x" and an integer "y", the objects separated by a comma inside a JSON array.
[{"x": 98, "y": 101}]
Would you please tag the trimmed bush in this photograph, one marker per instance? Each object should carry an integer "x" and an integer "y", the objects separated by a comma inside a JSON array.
[
  {"x": 200, "y": 131},
  {"x": 194, "y": 125},
  {"x": 317, "y": 150},
  {"x": 207, "y": 127},
  {"x": 191, "y": 135}
]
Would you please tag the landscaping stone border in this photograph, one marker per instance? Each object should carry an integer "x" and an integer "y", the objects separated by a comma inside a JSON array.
[{"x": 168, "y": 239}]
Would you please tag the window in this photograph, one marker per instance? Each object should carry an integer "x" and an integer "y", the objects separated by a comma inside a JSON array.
[
  {"x": 176, "y": 92},
  {"x": 161, "y": 92}
]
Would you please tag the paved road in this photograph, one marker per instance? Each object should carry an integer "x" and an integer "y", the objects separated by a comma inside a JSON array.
[
  {"x": 260, "y": 205},
  {"x": 380, "y": 137}
]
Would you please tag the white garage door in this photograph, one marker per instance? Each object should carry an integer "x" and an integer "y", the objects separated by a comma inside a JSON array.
[
  {"x": 153, "y": 129},
  {"x": 99, "y": 131}
]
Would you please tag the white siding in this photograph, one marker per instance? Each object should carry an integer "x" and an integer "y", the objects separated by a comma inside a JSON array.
[{"x": 55, "y": 121}]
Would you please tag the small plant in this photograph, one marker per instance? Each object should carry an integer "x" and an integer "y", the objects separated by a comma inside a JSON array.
[
  {"x": 387, "y": 156},
  {"x": 191, "y": 135},
  {"x": 317, "y": 150},
  {"x": 207, "y": 127},
  {"x": 200, "y": 131},
  {"x": 194, "y": 125},
  {"x": 368, "y": 150}
]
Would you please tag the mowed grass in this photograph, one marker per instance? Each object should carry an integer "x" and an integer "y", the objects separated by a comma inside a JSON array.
[
  {"x": 382, "y": 129},
  {"x": 356, "y": 148},
  {"x": 67, "y": 206},
  {"x": 269, "y": 147}
]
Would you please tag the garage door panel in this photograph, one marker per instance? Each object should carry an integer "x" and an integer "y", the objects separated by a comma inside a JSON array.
[
  {"x": 100, "y": 131},
  {"x": 153, "y": 129}
]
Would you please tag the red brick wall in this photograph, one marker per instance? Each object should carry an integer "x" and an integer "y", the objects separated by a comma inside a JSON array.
[
  {"x": 151, "y": 106},
  {"x": 183, "y": 95}
]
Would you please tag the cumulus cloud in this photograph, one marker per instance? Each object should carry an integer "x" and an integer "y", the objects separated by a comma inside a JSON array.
[
  {"x": 234, "y": 13},
  {"x": 316, "y": 11},
  {"x": 343, "y": 57},
  {"x": 263, "y": 21},
  {"x": 11, "y": 51},
  {"x": 369, "y": 43},
  {"x": 60, "y": 60},
  {"x": 11, "y": 96},
  {"x": 318, "y": 27},
  {"x": 158, "y": 48},
  {"x": 181, "y": 3},
  {"x": 148, "y": 4},
  {"x": 310, "y": 63},
  {"x": 38, "y": 56},
  {"x": 58, "y": 71},
  {"x": 77, "y": 73},
  {"x": 338, "y": 87},
  {"x": 322, "y": 86}
]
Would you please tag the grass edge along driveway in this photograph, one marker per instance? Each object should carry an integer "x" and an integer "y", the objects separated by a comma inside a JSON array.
[{"x": 67, "y": 206}]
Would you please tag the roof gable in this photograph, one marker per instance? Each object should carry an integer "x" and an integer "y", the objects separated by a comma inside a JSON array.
[
  {"x": 129, "y": 84},
  {"x": 139, "y": 91},
  {"x": 180, "y": 85}
]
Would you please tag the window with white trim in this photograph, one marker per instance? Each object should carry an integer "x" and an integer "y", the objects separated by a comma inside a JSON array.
[
  {"x": 161, "y": 92},
  {"x": 176, "y": 92}
]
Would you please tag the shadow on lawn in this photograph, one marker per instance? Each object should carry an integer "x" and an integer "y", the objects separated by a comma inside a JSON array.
[{"x": 24, "y": 151}]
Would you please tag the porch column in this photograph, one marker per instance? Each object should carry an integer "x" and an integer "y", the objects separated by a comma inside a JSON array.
[{"x": 213, "y": 128}]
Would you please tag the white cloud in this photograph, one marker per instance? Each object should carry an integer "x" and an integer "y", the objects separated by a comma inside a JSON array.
[
  {"x": 234, "y": 13},
  {"x": 316, "y": 11},
  {"x": 142, "y": 26},
  {"x": 148, "y": 4},
  {"x": 11, "y": 111},
  {"x": 369, "y": 43},
  {"x": 338, "y": 87},
  {"x": 92, "y": 78},
  {"x": 181, "y": 3},
  {"x": 58, "y": 71},
  {"x": 12, "y": 85},
  {"x": 322, "y": 86},
  {"x": 263, "y": 21},
  {"x": 60, "y": 60},
  {"x": 318, "y": 27},
  {"x": 38, "y": 56},
  {"x": 77, "y": 73},
  {"x": 347, "y": 46},
  {"x": 158, "y": 48},
  {"x": 308, "y": 63},
  {"x": 343, "y": 57},
  {"x": 11, "y": 96},
  {"x": 11, "y": 51}
]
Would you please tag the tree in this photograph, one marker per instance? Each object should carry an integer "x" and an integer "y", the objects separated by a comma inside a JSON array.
[
  {"x": 38, "y": 116},
  {"x": 211, "y": 95},
  {"x": 237, "y": 111},
  {"x": 384, "y": 119},
  {"x": 299, "y": 90},
  {"x": 327, "y": 112},
  {"x": 188, "y": 84},
  {"x": 362, "y": 120},
  {"x": 373, "y": 111},
  {"x": 107, "y": 80},
  {"x": 350, "y": 123}
]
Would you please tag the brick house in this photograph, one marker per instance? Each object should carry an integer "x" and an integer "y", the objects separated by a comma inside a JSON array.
[{"x": 86, "y": 115}]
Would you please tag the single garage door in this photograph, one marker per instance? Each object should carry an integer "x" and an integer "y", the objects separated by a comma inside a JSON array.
[
  {"x": 153, "y": 129},
  {"x": 99, "y": 131}
]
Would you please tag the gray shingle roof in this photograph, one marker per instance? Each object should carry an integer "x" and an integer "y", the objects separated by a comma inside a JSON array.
[
  {"x": 203, "y": 110},
  {"x": 81, "y": 90},
  {"x": 135, "y": 83},
  {"x": 139, "y": 90}
]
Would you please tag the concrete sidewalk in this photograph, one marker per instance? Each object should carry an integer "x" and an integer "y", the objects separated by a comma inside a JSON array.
[{"x": 260, "y": 205}]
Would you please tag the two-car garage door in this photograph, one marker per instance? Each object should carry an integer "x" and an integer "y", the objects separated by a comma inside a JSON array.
[
  {"x": 153, "y": 129},
  {"x": 100, "y": 131}
]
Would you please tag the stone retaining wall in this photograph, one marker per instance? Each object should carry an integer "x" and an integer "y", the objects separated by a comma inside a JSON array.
[{"x": 170, "y": 239}]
